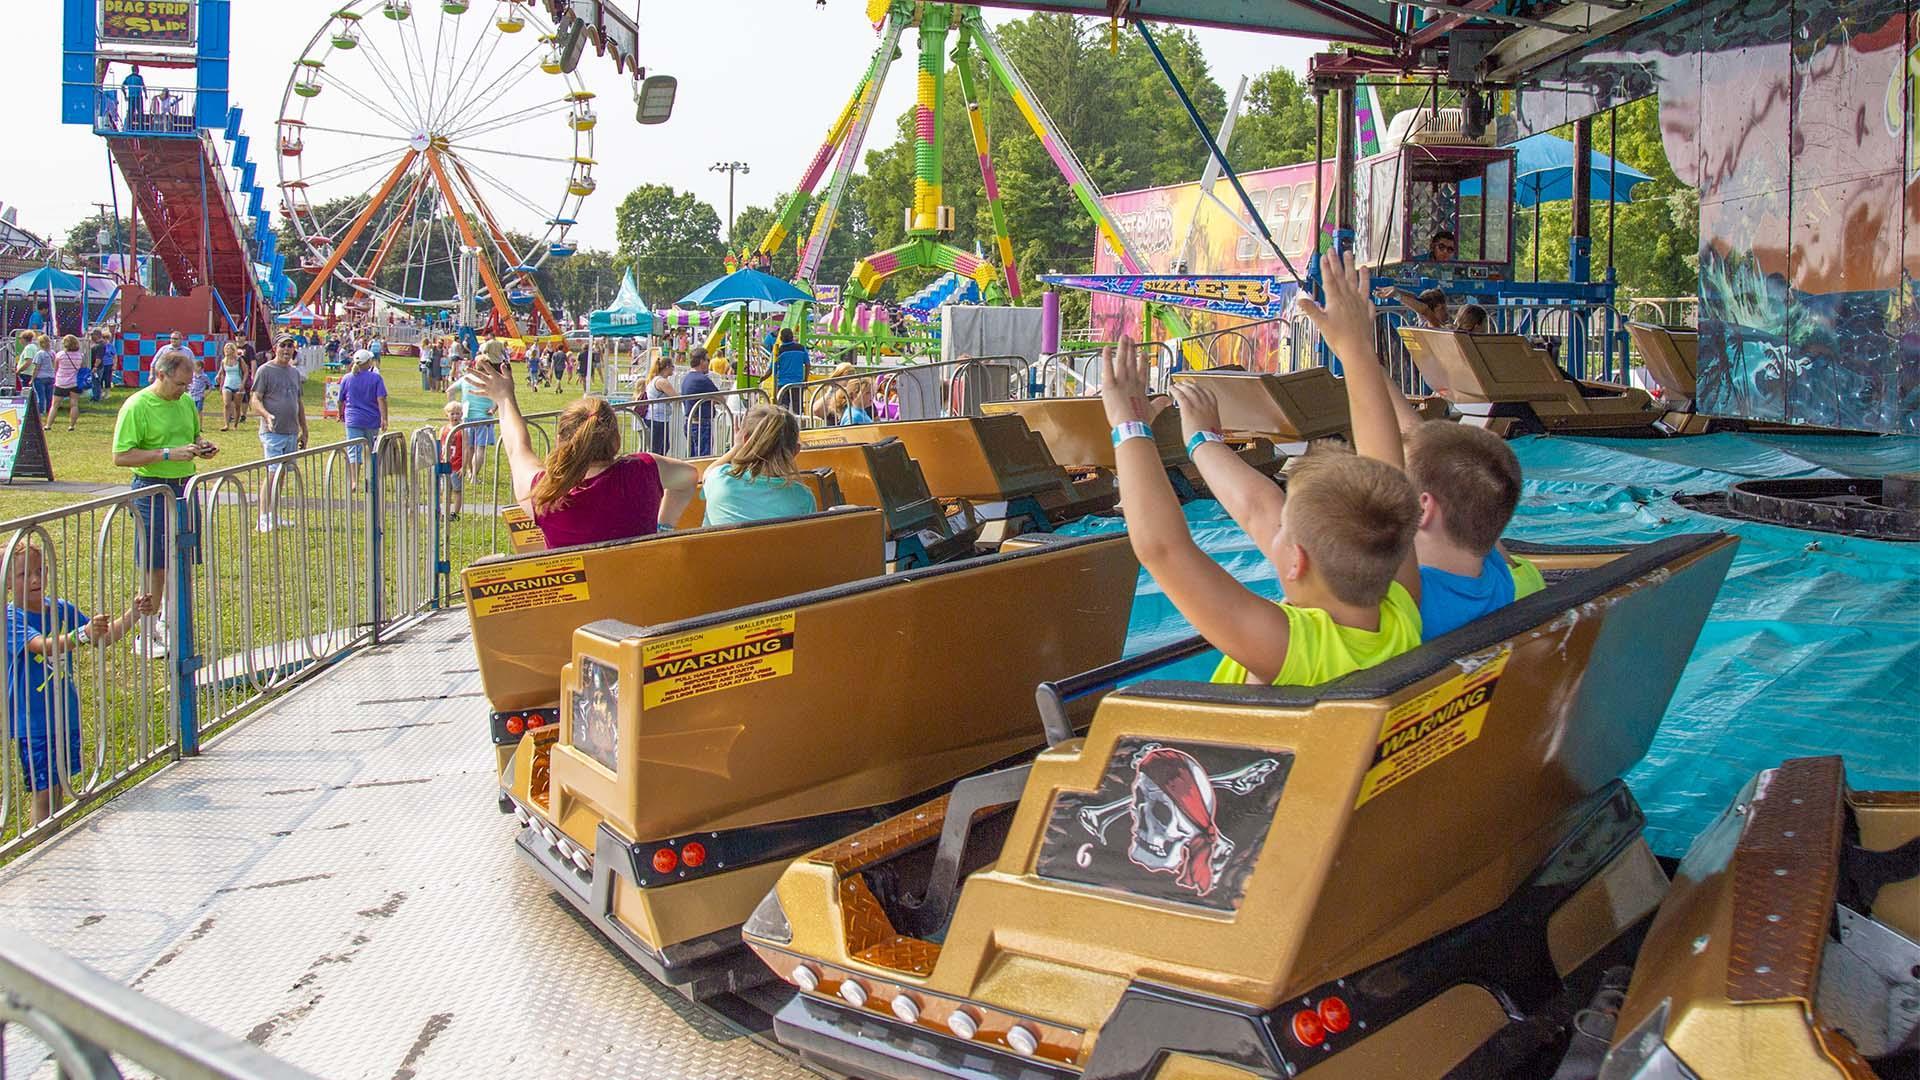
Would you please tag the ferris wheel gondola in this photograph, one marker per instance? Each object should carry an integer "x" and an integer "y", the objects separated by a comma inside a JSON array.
[{"x": 438, "y": 136}]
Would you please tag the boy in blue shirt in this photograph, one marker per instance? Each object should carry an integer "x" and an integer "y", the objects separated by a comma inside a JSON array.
[
  {"x": 40, "y": 633},
  {"x": 1468, "y": 477}
]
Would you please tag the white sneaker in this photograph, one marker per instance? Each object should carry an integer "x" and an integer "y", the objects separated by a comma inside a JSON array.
[
  {"x": 148, "y": 647},
  {"x": 265, "y": 526}
]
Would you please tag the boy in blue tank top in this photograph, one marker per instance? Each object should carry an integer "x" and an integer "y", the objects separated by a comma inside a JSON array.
[{"x": 1468, "y": 477}]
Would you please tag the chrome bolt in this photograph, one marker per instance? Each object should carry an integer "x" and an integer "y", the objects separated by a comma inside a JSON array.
[
  {"x": 1023, "y": 1041},
  {"x": 805, "y": 979}
]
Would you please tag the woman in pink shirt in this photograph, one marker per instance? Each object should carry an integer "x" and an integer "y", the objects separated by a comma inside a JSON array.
[
  {"x": 67, "y": 365},
  {"x": 586, "y": 491}
]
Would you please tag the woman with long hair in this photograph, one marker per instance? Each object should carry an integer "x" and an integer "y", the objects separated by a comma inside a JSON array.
[
  {"x": 586, "y": 491},
  {"x": 660, "y": 414},
  {"x": 67, "y": 365},
  {"x": 233, "y": 387},
  {"x": 757, "y": 479}
]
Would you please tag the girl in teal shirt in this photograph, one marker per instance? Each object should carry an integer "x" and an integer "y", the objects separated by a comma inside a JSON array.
[{"x": 755, "y": 481}]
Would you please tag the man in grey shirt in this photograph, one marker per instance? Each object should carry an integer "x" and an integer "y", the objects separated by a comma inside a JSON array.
[{"x": 283, "y": 420}]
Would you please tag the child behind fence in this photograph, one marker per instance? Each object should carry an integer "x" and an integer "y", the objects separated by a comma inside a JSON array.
[{"x": 40, "y": 632}]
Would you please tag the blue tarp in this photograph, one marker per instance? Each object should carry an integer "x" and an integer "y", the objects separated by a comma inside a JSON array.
[{"x": 1811, "y": 648}]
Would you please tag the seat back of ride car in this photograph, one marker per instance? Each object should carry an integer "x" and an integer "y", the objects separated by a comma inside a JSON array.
[
  {"x": 1672, "y": 356},
  {"x": 1294, "y": 407},
  {"x": 1252, "y": 843},
  {"x": 1484, "y": 367},
  {"x": 831, "y": 700},
  {"x": 980, "y": 458},
  {"x": 1077, "y": 433},
  {"x": 525, "y": 608}
]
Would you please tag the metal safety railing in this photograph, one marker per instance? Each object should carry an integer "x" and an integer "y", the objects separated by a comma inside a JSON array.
[
  {"x": 259, "y": 575},
  {"x": 83, "y": 720},
  {"x": 157, "y": 110},
  {"x": 85, "y": 1021},
  {"x": 1664, "y": 310}
]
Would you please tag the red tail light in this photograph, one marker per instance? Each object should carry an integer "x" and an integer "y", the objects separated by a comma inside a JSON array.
[
  {"x": 1308, "y": 1028},
  {"x": 694, "y": 853},
  {"x": 1335, "y": 1015},
  {"x": 535, "y": 720},
  {"x": 664, "y": 860},
  {"x": 515, "y": 725}
]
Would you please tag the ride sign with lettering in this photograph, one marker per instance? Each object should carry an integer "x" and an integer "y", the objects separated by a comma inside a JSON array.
[{"x": 147, "y": 22}]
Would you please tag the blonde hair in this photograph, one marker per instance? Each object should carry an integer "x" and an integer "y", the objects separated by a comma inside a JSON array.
[
  {"x": 1355, "y": 517},
  {"x": 453, "y": 411},
  {"x": 588, "y": 436},
  {"x": 70, "y": 343},
  {"x": 661, "y": 365},
  {"x": 767, "y": 446}
]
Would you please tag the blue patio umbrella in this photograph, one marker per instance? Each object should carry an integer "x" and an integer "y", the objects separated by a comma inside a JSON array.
[
  {"x": 37, "y": 282},
  {"x": 1543, "y": 173},
  {"x": 744, "y": 286}
]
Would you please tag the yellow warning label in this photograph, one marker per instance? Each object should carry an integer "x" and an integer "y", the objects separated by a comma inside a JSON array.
[
  {"x": 524, "y": 585},
  {"x": 522, "y": 532},
  {"x": 721, "y": 658},
  {"x": 1422, "y": 731}
]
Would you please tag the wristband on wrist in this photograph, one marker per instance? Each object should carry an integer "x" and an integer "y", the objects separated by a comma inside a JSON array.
[
  {"x": 1201, "y": 438},
  {"x": 1130, "y": 429},
  {"x": 166, "y": 453}
]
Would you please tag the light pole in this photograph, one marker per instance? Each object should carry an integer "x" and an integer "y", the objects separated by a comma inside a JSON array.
[{"x": 732, "y": 169}]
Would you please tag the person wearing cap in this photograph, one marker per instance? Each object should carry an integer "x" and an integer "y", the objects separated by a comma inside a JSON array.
[{"x": 363, "y": 405}]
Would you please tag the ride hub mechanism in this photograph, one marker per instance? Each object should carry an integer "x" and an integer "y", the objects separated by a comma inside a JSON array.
[{"x": 1885, "y": 509}]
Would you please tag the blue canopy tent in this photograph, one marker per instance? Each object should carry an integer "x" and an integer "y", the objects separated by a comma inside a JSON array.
[
  {"x": 627, "y": 316},
  {"x": 1543, "y": 173}
]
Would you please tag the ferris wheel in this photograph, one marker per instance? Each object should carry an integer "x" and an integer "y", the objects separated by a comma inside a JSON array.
[{"x": 417, "y": 139}]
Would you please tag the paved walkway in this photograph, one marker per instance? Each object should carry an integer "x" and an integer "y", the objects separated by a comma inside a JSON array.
[{"x": 334, "y": 881}]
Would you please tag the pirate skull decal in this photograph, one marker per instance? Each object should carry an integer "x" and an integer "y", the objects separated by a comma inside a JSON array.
[{"x": 1186, "y": 806}]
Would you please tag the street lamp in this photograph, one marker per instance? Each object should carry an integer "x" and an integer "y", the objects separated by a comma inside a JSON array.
[{"x": 732, "y": 169}]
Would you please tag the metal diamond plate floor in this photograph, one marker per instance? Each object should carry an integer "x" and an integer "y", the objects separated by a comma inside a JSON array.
[{"x": 334, "y": 881}]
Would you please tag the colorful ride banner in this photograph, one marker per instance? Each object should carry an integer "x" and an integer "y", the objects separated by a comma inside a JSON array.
[
  {"x": 1248, "y": 296},
  {"x": 147, "y": 22}
]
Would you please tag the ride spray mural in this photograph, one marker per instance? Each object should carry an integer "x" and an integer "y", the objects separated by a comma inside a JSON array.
[
  {"x": 1795, "y": 124},
  {"x": 1157, "y": 222}
]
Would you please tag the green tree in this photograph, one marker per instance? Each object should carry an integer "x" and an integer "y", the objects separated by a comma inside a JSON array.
[
  {"x": 671, "y": 239},
  {"x": 83, "y": 242},
  {"x": 583, "y": 282},
  {"x": 851, "y": 238},
  {"x": 1277, "y": 124}
]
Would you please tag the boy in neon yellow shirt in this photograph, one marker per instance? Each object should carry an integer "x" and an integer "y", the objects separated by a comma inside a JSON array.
[{"x": 1341, "y": 537}]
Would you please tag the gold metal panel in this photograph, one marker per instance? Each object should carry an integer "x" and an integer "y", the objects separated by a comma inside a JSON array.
[
  {"x": 1619, "y": 896},
  {"x": 1188, "y": 1067},
  {"x": 1671, "y": 356},
  {"x": 982, "y": 458},
  {"x": 916, "y": 826},
  {"x": 1077, "y": 433},
  {"x": 664, "y": 578},
  {"x": 671, "y": 914},
  {"x": 1887, "y": 820},
  {"x": 1785, "y": 874},
  {"x": 1423, "y": 1044},
  {"x": 864, "y": 717},
  {"x": 1295, "y": 407}
]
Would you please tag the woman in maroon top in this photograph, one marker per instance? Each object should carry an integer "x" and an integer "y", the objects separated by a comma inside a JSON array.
[{"x": 586, "y": 492}]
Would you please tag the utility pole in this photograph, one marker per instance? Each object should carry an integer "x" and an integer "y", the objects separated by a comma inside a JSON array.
[{"x": 732, "y": 169}]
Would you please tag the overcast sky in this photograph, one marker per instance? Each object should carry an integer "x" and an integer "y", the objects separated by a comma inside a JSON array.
[{"x": 759, "y": 82}]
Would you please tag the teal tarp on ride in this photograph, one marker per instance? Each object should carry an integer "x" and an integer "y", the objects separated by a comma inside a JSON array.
[
  {"x": 1812, "y": 648},
  {"x": 627, "y": 316}
]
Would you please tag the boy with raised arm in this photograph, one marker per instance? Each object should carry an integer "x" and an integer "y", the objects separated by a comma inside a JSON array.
[
  {"x": 1340, "y": 536},
  {"x": 1467, "y": 477}
]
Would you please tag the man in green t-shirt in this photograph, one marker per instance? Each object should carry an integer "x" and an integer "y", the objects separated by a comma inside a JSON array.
[{"x": 158, "y": 436}]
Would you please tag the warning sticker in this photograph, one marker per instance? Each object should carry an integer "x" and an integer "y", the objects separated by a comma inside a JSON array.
[
  {"x": 1422, "y": 731},
  {"x": 721, "y": 658},
  {"x": 522, "y": 532},
  {"x": 522, "y": 586}
]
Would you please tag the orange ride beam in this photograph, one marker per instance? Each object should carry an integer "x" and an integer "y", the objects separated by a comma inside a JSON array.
[
  {"x": 503, "y": 247},
  {"x": 500, "y": 304},
  {"x": 393, "y": 230},
  {"x": 359, "y": 225}
]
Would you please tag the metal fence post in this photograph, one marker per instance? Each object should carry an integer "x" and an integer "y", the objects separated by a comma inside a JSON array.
[
  {"x": 376, "y": 537},
  {"x": 186, "y": 666},
  {"x": 442, "y": 565}
]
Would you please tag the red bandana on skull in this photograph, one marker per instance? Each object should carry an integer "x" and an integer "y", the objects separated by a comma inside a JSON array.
[{"x": 1186, "y": 784}]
